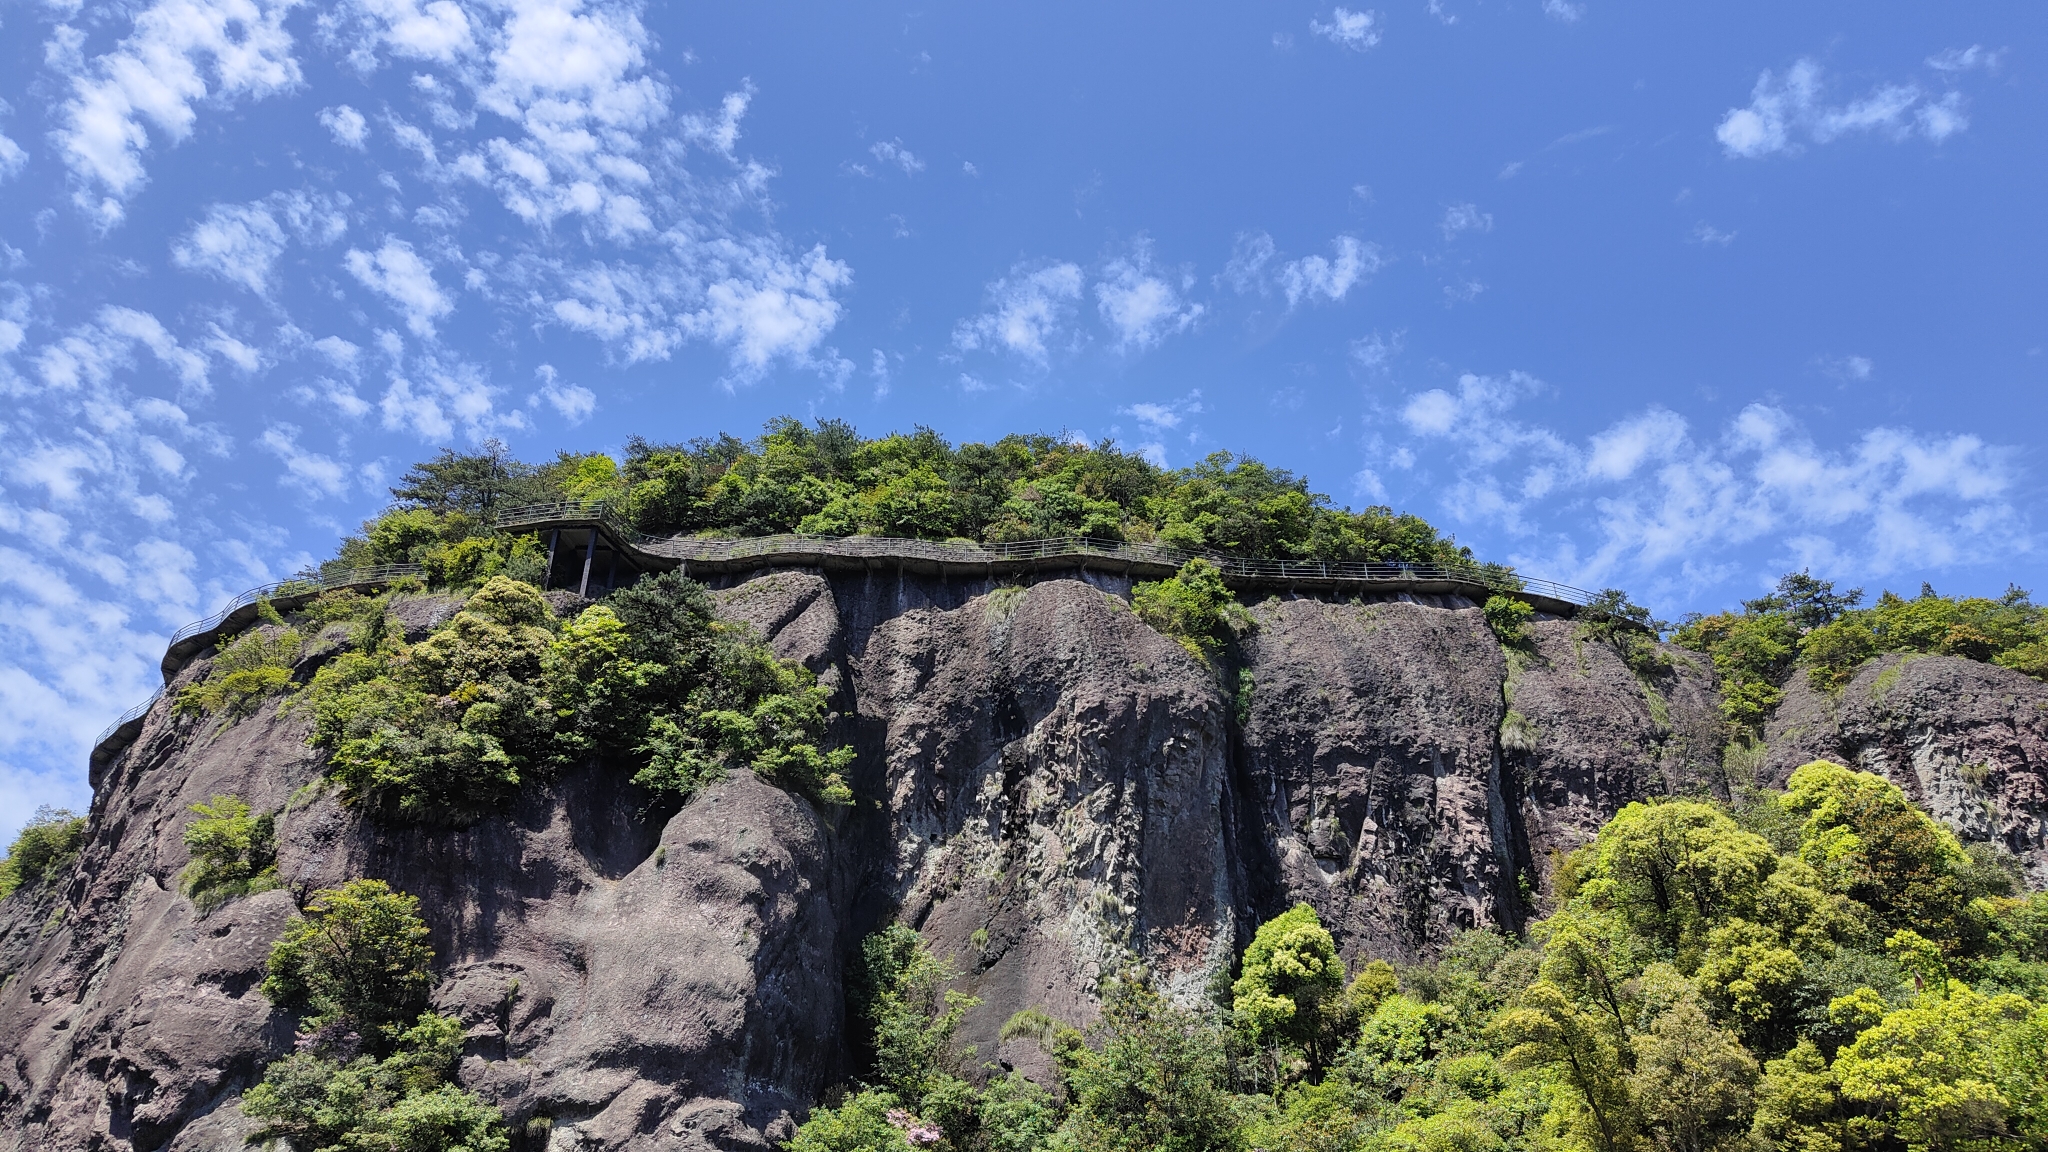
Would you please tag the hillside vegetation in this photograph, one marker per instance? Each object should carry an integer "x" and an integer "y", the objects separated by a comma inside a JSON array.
[
  {"x": 1826, "y": 970},
  {"x": 826, "y": 479},
  {"x": 1806, "y": 627}
]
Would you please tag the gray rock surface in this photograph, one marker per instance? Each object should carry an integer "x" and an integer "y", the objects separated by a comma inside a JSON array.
[
  {"x": 1048, "y": 790},
  {"x": 1967, "y": 741}
]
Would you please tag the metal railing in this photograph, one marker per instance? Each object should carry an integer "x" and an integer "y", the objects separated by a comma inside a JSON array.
[
  {"x": 350, "y": 578},
  {"x": 1238, "y": 569},
  {"x": 295, "y": 589}
]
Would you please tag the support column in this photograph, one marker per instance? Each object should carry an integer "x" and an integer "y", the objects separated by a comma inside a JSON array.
[
  {"x": 589, "y": 554},
  {"x": 554, "y": 538}
]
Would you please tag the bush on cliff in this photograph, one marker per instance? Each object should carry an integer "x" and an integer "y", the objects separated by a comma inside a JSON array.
[
  {"x": 44, "y": 847},
  {"x": 450, "y": 728},
  {"x": 234, "y": 852},
  {"x": 1194, "y": 607},
  {"x": 1806, "y": 624},
  {"x": 372, "y": 1067},
  {"x": 256, "y": 664}
]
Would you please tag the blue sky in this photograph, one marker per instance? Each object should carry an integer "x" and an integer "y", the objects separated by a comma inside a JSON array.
[{"x": 1622, "y": 294}]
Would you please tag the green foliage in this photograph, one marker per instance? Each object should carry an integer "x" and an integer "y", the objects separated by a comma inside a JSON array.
[
  {"x": 1869, "y": 843},
  {"x": 1708, "y": 983},
  {"x": 443, "y": 731},
  {"x": 910, "y": 1013},
  {"x": 1194, "y": 607},
  {"x": 824, "y": 478},
  {"x": 1291, "y": 990},
  {"x": 1156, "y": 1078},
  {"x": 355, "y": 960},
  {"x": 449, "y": 729},
  {"x": 1509, "y": 618},
  {"x": 255, "y": 665},
  {"x": 44, "y": 847},
  {"x": 234, "y": 853},
  {"x": 372, "y": 1068},
  {"x": 1806, "y": 623}
]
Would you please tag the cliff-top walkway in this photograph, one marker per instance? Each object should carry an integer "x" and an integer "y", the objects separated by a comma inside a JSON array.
[{"x": 589, "y": 550}]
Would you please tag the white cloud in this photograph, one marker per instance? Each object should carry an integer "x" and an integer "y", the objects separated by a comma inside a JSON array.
[
  {"x": 1659, "y": 499},
  {"x": 89, "y": 355},
  {"x": 180, "y": 53},
  {"x": 237, "y": 242},
  {"x": 1965, "y": 59},
  {"x": 310, "y": 472},
  {"x": 432, "y": 400},
  {"x": 1026, "y": 310},
  {"x": 349, "y": 127},
  {"x": 1330, "y": 279},
  {"x": 1139, "y": 306},
  {"x": 1464, "y": 218},
  {"x": 438, "y": 31},
  {"x": 573, "y": 402},
  {"x": 722, "y": 132},
  {"x": 1848, "y": 367},
  {"x": 12, "y": 158},
  {"x": 1706, "y": 234},
  {"x": 1784, "y": 109},
  {"x": 1563, "y": 10},
  {"x": 893, "y": 152},
  {"x": 1252, "y": 269},
  {"x": 1357, "y": 31},
  {"x": 398, "y": 273}
]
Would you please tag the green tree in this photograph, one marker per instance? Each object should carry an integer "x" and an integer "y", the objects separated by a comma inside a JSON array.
[
  {"x": 1868, "y": 842},
  {"x": 1547, "y": 1033},
  {"x": 1291, "y": 989},
  {"x": 44, "y": 846},
  {"x": 1155, "y": 1081},
  {"x": 355, "y": 959},
  {"x": 234, "y": 852},
  {"x": 1693, "y": 1081}
]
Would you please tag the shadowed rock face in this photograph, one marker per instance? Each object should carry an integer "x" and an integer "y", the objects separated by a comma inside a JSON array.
[
  {"x": 1967, "y": 741},
  {"x": 1048, "y": 790}
]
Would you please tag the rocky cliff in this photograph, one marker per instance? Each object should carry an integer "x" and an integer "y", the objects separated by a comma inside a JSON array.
[{"x": 1047, "y": 790}]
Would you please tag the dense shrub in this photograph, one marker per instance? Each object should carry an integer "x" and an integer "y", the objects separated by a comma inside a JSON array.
[
  {"x": 234, "y": 852},
  {"x": 254, "y": 665},
  {"x": 1806, "y": 624},
  {"x": 825, "y": 478},
  {"x": 44, "y": 847},
  {"x": 372, "y": 1069},
  {"x": 450, "y": 728},
  {"x": 1509, "y": 618},
  {"x": 1194, "y": 607}
]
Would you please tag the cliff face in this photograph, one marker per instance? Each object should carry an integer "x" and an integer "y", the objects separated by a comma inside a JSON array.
[
  {"x": 1048, "y": 789},
  {"x": 1967, "y": 741}
]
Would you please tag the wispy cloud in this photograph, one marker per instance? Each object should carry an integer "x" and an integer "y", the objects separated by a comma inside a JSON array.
[
  {"x": 1141, "y": 306},
  {"x": 1357, "y": 31},
  {"x": 1026, "y": 311},
  {"x": 1256, "y": 267},
  {"x": 1787, "y": 111},
  {"x": 893, "y": 152},
  {"x": 1461, "y": 218},
  {"x": 1659, "y": 501}
]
